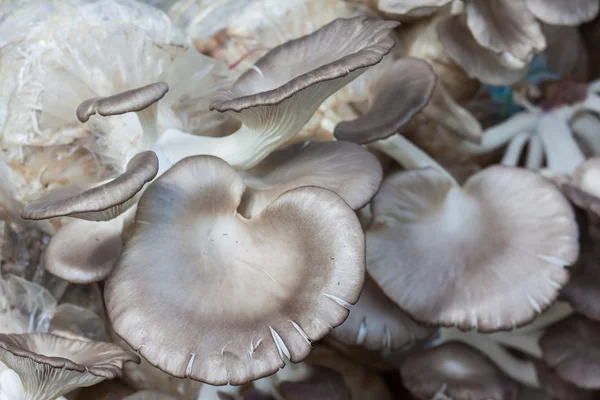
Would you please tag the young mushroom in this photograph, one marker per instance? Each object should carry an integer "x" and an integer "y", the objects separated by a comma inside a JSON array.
[
  {"x": 242, "y": 295},
  {"x": 343, "y": 167},
  {"x": 281, "y": 92},
  {"x": 48, "y": 365},
  {"x": 432, "y": 242},
  {"x": 455, "y": 371}
]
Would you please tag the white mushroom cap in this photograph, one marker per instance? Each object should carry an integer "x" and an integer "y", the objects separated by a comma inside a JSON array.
[
  {"x": 487, "y": 256},
  {"x": 241, "y": 295},
  {"x": 50, "y": 365},
  {"x": 564, "y": 12}
]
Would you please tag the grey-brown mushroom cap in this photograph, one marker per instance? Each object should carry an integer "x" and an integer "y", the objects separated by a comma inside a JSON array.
[
  {"x": 556, "y": 387},
  {"x": 102, "y": 202},
  {"x": 410, "y": 7},
  {"x": 342, "y": 167},
  {"x": 564, "y": 12},
  {"x": 334, "y": 51},
  {"x": 84, "y": 251},
  {"x": 377, "y": 324},
  {"x": 487, "y": 256},
  {"x": 238, "y": 295},
  {"x": 150, "y": 395},
  {"x": 462, "y": 372},
  {"x": 476, "y": 60},
  {"x": 401, "y": 92},
  {"x": 65, "y": 351},
  {"x": 322, "y": 384},
  {"x": 121, "y": 103},
  {"x": 572, "y": 348},
  {"x": 505, "y": 26},
  {"x": 581, "y": 198}
]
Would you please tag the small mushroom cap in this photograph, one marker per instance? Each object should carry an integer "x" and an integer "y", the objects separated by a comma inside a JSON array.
[
  {"x": 505, "y": 26},
  {"x": 459, "y": 370},
  {"x": 315, "y": 58},
  {"x": 79, "y": 320},
  {"x": 563, "y": 12},
  {"x": 343, "y": 167},
  {"x": 322, "y": 384},
  {"x": 128, "y": 101},
  {"x": 487, "y": 256},
  {"x": 84, "y": 251},
  {"x": 584, "y": 187},
  {"x": 477, "y": 61},
  {"x": 102, "y": 202},
  {"x": 53, "y": 364},
  {"x": 240, "y": 295},
  {"x": 415, "y": 8},
  {"x": 556, "y": 387},
  {"x": 376, "y": 323},
  {"x": 402, "y": 91},
  {"x": 572, "y": 348}
]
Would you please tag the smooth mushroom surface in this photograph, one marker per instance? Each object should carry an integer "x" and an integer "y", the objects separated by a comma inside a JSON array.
[
  {"x": 489, "y": 255},
  {"x": 572, "y": 348},
  {"x": 148, "y": 395},
  {"x": 564, "y": 12},
  {"x": 415, "y": 8},
  {"x": 242, "y": 295},
  {"x": 342, "y": 167},
  {"x": 52, "y": 364},
  {"x": 378, "y": 324},
  {"x": 100, "y": 203},
  {"x": 121, "y": 103},
  {"x": 401, "y": 91},
  {"x": 84, "y": 251},
  {"x": 457, "y": 371},
  {"x": 557, "y": 388},
  {"x": 281, "y": 92}
]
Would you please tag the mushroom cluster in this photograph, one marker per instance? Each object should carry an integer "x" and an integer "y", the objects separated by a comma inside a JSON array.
[{"x": 257, "y": 199}]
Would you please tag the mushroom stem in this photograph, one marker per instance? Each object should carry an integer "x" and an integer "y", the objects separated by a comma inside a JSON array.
[
  {"x": 535, "y": 153},
  {"x": 558, "y": 311},
  {"x": 497, "y": 136},
  {"x": 512, "y": 154},
  {"x": 331, "y": 119},
  {"x": 587, "y": 127},
  {"x": 148, "y": 120},
  {"x": 409, "y": 156},
  {"x": 563, "y": 154},
  {"x": 520, "y": 370}
]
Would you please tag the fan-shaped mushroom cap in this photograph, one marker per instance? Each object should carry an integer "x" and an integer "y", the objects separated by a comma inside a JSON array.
[
  {"x": 50, "y": 365},
  {"x": 79, "y": 320},
  {"x": 84, "y": 251},
  {"x": 285, "y": 87},
  {"x": 343, "y": 167},
  {"x": 505, "y": 26},
  {"x": 415, "y": 8},
  {"x": 458, "y": 371},
  {"x": 572, "y": 347},
  {"x": 477, "y": 61},
  {"x": 487, "y": 256},
  {"x": 124, "y": 102},
  {"x": 402, "y": 91},
  {"x": 102, "y": 202},
  {"x": 241, "y": 294},
  {"x": 557, "y": 388},
  {"x": 563, "y": 12},
  {"x": 376, "y": 323}
]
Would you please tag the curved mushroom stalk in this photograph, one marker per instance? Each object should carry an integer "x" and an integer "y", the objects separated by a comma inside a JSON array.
[
  {"x": 262, "y": 290},
  {"x": 281, "y": 92},
  {"x": 377, "y": 324},
  {"x": 101, "y": 203},
  {"x": 45, "y": 366},
  {"x": 343, "y": 167},
  {"x": 430, "y": 237}
]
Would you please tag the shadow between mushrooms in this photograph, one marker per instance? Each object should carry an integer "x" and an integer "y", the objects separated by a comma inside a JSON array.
[
  {"x": 280, "y": 93},
  {"x": 49, "y": 365},
  {"x": 241, "y": 296}
]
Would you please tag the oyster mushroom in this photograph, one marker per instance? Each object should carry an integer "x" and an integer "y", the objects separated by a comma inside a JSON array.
[
  {"x": 48, "y": 365},
  {"x": 458, "y": 371},
  {"x": 281, "y": 92},
  {"x": 291, "y": 270},
  {"x": 557, "y": 388},
  {"x": 343, "y": 167},
  {"x": 432, "y": 242}
]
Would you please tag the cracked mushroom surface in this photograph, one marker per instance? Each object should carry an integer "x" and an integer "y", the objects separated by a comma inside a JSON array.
[
  {"x": 243, "y": 295},
  {"x": 49, "y": 365},
  {"x": 281, "y": 92},
  {"x": 100, "y": 203}
]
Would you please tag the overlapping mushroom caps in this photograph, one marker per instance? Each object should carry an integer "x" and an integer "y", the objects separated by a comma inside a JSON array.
[
  {"x": 243, "y": 295},
  {"x": 48, "y": 365},
  {"x": 488, "y": 255},
  {"x": 457, "y": 371},
  {"x": 281, "y": 92}
]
